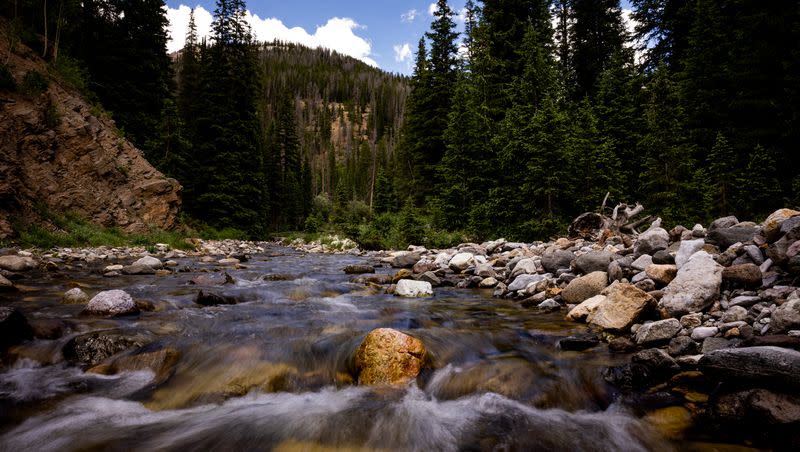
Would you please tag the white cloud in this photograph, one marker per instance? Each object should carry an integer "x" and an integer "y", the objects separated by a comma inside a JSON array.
[
  {"x": 432, "y": 8},
  {"x": 337, "y": 34},
  {"x": 402, "y": 52},
  {"x": 409, "y": 16}
]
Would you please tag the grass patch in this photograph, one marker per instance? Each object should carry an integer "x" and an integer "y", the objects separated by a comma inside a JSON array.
[
  {"x": 73, "y": 231},
  {"x": 34, "y": 83}
]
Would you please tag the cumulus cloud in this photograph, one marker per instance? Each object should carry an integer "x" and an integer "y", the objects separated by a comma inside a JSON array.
[
  {"x": 338, "y": 34},
  {"x": 432, "y": 8},
  {"x": 409, "y": 16},
  {"x": 402, "y": 52}
]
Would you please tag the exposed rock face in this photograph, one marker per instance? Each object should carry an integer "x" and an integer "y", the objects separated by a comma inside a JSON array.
[
  {"x": 81, "y": 165},
  {"x": 387, "y": 356}
]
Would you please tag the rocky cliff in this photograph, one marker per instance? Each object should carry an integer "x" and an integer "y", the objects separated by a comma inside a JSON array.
[{"x": 56, "y": 154}]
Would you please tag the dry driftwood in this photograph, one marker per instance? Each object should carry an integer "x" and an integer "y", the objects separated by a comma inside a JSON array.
[{"x": 593, "y": 226}]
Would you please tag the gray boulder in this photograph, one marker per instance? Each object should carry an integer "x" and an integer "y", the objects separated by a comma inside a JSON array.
[
  {"x": 786, "y": 317},
  {"x": 75, "y": 296},
  {"x": 687, "y": 250},
  {"x": 726, "y": 237},
  {"x": 724, "y": 222},
  {"x": 659, "y": 331},
  {"x": 15, "y": 263},
  {"x": 149, "y": 261},
  {"x": 111, "y": 302},
  {"x": 757, "y": 365},
  {"x": 555, "y": 260},
  {"x": 594, "y": 261},
  {"x": 585, "y": 287},
  {"x": 694, "y": 288},
  {"x": 411, "y": 288},
  {"x": 651, "y": 240},
  {"x": 522, "y": 281}
]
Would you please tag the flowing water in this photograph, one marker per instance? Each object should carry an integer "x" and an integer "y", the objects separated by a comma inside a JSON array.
[{"x": 274, "y": 372}]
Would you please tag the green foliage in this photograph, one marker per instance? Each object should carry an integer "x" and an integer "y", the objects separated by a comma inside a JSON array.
[
  {"x": 51, "y": 115},
  {"x": 7, "y": 82},
  {"x": 71, "y": 72},
  {"x": 34, "y": 83}
]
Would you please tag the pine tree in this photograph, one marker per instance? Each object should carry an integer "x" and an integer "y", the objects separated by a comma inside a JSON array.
[
  {"x": 415, "y": 139},
  {"x": 722, "y": 177}
]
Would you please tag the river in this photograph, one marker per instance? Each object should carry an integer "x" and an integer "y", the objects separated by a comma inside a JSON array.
[{"x": 274, "y": 372}]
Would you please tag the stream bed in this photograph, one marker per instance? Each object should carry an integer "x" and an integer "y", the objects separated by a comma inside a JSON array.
[{"x": 276, "y": 372}]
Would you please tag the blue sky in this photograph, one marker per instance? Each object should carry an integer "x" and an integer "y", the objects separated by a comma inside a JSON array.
[{"x": 380, "y": 32}]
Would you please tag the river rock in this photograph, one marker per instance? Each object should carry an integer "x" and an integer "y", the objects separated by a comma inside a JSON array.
[
  {"x": 686, "y": 250},
  {"x": 213, "y": 299},
  {"x": 161, "y": 362},
  {"x": 642, "y": 262},
  {"x": 724, "y": 222},
  {"x": 554, "y": 260},
  {"x": 748, "y": 275},
  {"x": 149, "y": 261},
  {"x": 411, "y": 288},
  {"x": 772, "y": 225},
  {"x": 111, "y": 302},
  {"x": 579, "y": 342},
  {"x": 702, "y": 332},
  {"x": 734, "y": 314},
  {"x": 229, "y": 261},
  {"x": 726, "y": 237},
  {"x": 661, "y": 330},
  {"x": 75, "y": 296},
  {"x": 622, "y": 307},
  {"x": 661, "y": 274},
  {"x": 405, "y": 260},
  {"x": 663, "y": 257},
  {"x": 15, "y": 263},
  {"x": 357, "y": 269},
  {"x": 5, "y": 284},
  {"x": 522, "y": 281},
  {"x": 711, "y": 344},
  {"x": 651, "y": 240},
  {"x": 488, "y": 283},
  {"x": 757, "y": 365},
  {"x": 695, "y": 287},
  {"x": 430, "y": 277},
  {"x": 460, "y": 262},
  {"x": 657, "y": 361},
  {"x": 138, "y": 269},
  {"x": 527, "y": 266},
  {"x": 583, "y": 310},
  {"x": 585, "y": 287},
  {"x": 682, "y": 345},
  {"x": 387, "y": 356},
  {"x": 786, "y": 317},
  {"x": 14, "y": 328},
  {"x": 593, "y": 261},
  {"x": 91, "y": 349}
]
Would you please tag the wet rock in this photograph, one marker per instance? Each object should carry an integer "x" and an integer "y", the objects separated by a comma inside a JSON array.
[
  {"x": 593, "y": 261},
  {"x": 522, "y": 281},
  {"x": 758, "y": 365},
  {"x": 672, "y": 422},
  {"x": 726, "y": 237},
  {"x": 14, "y": 263},
  {"x": 225, "y": 278},
  {"x": 14, "y": 328},
  {"x": 774, "y": 408},
  {"x": 682, "y": 345},
  {"x": 488, "y": 283},
  {"x": 586, "y": 308},
  {"x": 75, "y": 296},
  {"x": 460, "y": 262},
  {"x": 412, "y": 288},
  {"x": 213, "y": 299},
  {"x": 91, "y": 349},
  {"x": 622, "y": 307},
  {"x": 424, "y": 265},
  {"x": 695, "y": 287},
  {"x": 579, "y": 342},
  {"x": 659, "y": 331},
  {"x": 621, "y": 345},
  {"x": 356, "y": 269},
  {"x": 402, "y": 274},
  {"x": 747, "y": 275},
  {"x": 138, "y": 269},
  {"x": 554, "y": 260},
  {"x": 229, "y": 261},
  {"x": 773, "y": 223},
  {"x": 113, "y": 268},
  {"x": 786, "y": 317},
  {"x": 651, "y": 240},
  {"x": 111, "y": 302},
  {"x": 657, "y": 360},
  {"x": 585, "y": 287},
  {"x": 661, "y": 274},
  {"x": 430, "y": 277},
  {"x": 149, "y": 261},
  {"x": 405, "y": 260},
  {"x": 5, "y": 284},
  {"x": 387, "y": 356},
  {"x": 161, "y": 361},
  {"x": 686, "y": 250}
]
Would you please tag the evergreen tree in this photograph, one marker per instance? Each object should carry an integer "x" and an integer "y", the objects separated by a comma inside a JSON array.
[
  {"x": 722, "y": 177},
  {"x": 415, "y": 139}
]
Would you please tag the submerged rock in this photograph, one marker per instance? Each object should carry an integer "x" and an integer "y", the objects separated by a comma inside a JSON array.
[
  {"x": 91, "y": 349},
  {"x": 758, "y": 365},
  {"x": 387, "y": 356},
  {"x": 111, "y": 302},
  {"x": 75, "y": 296},
  {"x": 213, "y": 299},
  {"x": 357, "y": 269},
  {"x": 14, "y": 328}
]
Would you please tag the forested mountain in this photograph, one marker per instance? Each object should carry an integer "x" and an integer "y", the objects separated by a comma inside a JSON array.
[{"x": 511, "y": 128}]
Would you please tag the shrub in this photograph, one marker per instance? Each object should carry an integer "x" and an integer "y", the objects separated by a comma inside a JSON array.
[
  {"x": 71, "y": 72},
  {"x": 34, "y": 83},
  {"x": 7, "y": 82},
  {"x": 52, "y": 117}
]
